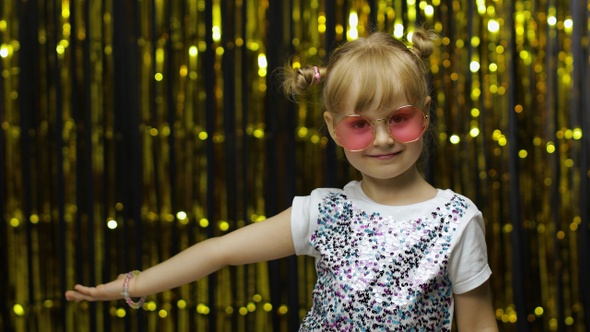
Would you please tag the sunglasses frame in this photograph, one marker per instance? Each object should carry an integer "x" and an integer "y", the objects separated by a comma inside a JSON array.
[{"x": 388, "y": 128}]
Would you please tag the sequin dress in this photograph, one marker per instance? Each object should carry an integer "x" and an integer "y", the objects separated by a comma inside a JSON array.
[{"x": 388, "y": 268}]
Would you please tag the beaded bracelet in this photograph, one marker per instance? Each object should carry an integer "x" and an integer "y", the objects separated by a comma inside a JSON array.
[{"x": 134, "y": 305}]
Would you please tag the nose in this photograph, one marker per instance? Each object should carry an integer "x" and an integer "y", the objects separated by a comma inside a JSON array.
[{"x": 381, "y": 133}]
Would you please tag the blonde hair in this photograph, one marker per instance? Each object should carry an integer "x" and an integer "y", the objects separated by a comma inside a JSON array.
[{"x": 377, "y": 66}]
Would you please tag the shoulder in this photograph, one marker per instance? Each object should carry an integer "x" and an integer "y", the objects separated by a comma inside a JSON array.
[
  {"x": 306, "y": 210},
  {"x": 460, "y": 216},
  {"x": 317, "y": 196},
  {"x": 456, "y": 203},
  {"x": 451, "y": 194}
]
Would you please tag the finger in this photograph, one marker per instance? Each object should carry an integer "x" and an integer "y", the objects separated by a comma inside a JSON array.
[
  {"x": 84, "y": 289},
  {"x": 77, "y": 297},
  {"x": 103, "y": 292},
  {"x": 79, "y": 287},
  {"x": 70, "y": 295}
]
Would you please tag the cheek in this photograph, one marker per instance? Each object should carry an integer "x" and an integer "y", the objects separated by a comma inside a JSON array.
[
  {"x": 349, "y": 155},
  {"x": 355, "y": 159},
  {"x": 416, "y": 147}
]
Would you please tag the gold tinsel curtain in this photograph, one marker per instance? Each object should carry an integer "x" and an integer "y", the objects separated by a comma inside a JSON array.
[{"x": 132, "y": 129}]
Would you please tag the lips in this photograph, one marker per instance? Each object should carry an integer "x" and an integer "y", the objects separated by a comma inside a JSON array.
[{"x": 384, "y": 155}]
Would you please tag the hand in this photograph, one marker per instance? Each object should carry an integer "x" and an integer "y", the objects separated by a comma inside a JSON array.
[{"x": 103, "y": 292}]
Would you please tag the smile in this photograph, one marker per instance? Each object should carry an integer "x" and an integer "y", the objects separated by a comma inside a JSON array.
[{"x": 385, "y": 155}]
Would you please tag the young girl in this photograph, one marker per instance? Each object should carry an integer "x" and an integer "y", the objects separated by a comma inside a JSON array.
[{"x": 392, "y": 252}]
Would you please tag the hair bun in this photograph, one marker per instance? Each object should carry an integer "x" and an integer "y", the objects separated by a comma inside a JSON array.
[
  {"x": 423, "y": 45},
  {"x": 298, "y": 80}
]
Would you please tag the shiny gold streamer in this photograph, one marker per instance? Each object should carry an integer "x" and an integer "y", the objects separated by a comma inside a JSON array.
[{"x": 471, "y": 82}]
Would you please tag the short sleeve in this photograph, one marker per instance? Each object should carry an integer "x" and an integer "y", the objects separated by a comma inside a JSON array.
[
  {"x": 300, "y": 225},
  {"x": 304, "y": 216},
  {"x": 468, "y": 266}
]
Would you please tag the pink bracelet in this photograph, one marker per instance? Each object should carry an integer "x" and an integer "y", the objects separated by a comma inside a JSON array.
[{"x": 134, "y": 305}]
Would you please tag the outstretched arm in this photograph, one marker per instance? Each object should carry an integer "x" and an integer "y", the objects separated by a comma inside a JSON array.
[
  {"x": 474, "y": 310},
  {"x": 263, "y": 241}
]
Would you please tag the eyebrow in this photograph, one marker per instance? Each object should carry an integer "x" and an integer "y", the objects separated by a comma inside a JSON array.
[{"x": 382, "y": 110}]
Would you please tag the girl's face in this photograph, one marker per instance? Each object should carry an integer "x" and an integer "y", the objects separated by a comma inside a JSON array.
[{"x": 385, "y": 157}]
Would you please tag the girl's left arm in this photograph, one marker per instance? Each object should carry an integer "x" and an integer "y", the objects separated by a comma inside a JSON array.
[{"x": 474, "y": 310}]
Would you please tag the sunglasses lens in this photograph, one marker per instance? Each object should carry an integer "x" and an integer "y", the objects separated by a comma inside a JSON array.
[
  {"x": 354, "y": 132},
  {"x": 407, "y": 124}
]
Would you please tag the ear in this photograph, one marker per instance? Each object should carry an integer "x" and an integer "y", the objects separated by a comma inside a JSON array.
[
  {"x": 427, "y": 102},
  {"x": 329, "y": 119},
  {"x": 426, "y": 108}
]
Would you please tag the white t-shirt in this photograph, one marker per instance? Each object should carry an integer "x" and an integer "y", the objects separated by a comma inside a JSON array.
[{"x": 388, "y": 268}]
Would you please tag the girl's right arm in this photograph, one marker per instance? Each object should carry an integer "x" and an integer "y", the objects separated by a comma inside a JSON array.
[{"x": 263, "y": 241}]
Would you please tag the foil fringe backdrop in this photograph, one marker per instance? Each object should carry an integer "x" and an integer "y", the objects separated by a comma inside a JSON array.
[{"x": 133, "y": 129}]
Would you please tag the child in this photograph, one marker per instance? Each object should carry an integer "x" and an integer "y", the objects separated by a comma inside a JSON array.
[{"x": 392, "y": 252}]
